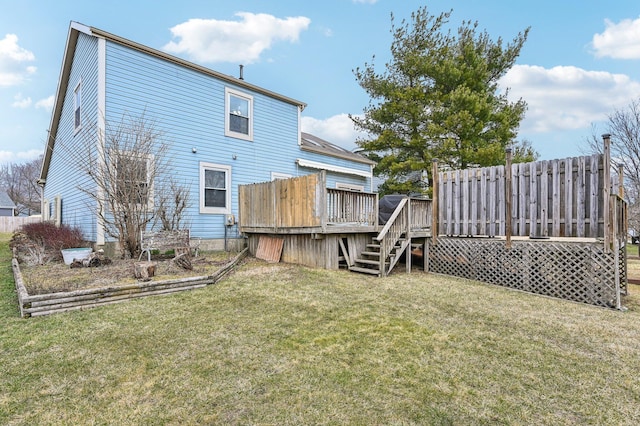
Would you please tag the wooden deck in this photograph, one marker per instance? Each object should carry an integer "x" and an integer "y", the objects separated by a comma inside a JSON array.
[
  {"x": 304, "y": 205},
  {"x": 326, "y": 227},
  {"x": 537, "y": 226}
]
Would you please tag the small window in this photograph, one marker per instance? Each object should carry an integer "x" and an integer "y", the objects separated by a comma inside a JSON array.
[
  {"x": 276, "y": 176},
  {"x": 349, "y": 187},
  {"x": 77, "y": 104},
  {"x": 238, "y": 115},
  {"x": 215, "y": 188}
]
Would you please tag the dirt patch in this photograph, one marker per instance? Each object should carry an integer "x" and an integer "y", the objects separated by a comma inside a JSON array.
[{"x": 56, "y": 277}]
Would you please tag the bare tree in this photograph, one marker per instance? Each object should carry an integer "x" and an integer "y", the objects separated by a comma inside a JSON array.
[
  {"x": 172, "y": 207},
  {"x": 624, "y": 127},
  {"x": 19, "y": 180},
  {"x": 131, "y": 188}
]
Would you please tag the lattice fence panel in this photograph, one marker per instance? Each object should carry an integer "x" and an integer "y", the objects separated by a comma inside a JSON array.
[
  {"x": 581, "y": 272},
  {"x": 622, "y": 263}
]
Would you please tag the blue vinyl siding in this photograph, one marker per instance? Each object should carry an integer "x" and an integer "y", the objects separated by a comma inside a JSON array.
[
  {"x": 65, "y": 177},
  {"x": 188, "y": 107}
]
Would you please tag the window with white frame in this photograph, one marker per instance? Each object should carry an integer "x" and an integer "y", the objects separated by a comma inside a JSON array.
[
  {"x": 349, "y": 187},
  {"x": 215, "y": 188},
  {"x": 77, "y": 104},
  {"x": 133, "y": 182},
  {"x": 238, "y": 115},
  {"x": 276, "y": 176}
]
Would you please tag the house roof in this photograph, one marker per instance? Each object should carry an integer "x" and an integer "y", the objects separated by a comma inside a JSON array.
[
  {"x": 315, "y": 144},
  {"x": 76, "y": 28},
  {"x": 5, "y": 201}
]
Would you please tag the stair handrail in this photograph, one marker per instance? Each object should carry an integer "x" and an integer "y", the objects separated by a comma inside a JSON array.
[
  {"x": 392, "y": 231},
  {"x": 392, "y": 219}
]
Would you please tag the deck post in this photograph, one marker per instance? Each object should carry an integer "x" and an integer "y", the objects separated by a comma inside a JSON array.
[
  {"x": 621, "y": 180},
  {"x": 508, "y": 194},
  {"x": 606, "y": 178},
  {"x": 321, "y": 199},
  {"x": 407, "y": 250},
  {"x": 435, "y": 202}
]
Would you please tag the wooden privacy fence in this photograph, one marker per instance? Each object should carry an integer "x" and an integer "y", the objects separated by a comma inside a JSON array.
[
  {"x": 573, "y": 197},
  {"x": 13, "y": 223},
  {"x": 283, "y": 203},
  {"x": 555, "y": 198}
]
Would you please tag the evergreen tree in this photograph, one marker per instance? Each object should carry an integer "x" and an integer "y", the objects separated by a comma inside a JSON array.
[{"x": 439, "y": 98}]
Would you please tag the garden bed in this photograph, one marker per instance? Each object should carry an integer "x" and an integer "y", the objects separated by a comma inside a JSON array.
[{"x": 51, "y": 288}]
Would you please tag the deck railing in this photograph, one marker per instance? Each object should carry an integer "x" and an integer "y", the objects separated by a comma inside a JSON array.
[
  {"x": 421, "y": 213},
  {"x": 349, "y": 207},
  {"x": 305, "y": 205}
]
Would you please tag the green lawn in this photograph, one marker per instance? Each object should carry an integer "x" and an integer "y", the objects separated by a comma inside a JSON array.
[{"x": 279, "y": 344}]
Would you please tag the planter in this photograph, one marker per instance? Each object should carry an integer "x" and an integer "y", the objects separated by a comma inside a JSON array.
[{"x": 81, "y": 253}]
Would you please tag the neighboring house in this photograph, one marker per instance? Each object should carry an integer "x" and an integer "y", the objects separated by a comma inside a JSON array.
[
  {"x": 217, "y": 126},
  {"x": 7, "y": 206}
]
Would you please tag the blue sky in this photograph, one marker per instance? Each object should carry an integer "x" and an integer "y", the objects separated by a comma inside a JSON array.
[{"x": 580, "y": 62}]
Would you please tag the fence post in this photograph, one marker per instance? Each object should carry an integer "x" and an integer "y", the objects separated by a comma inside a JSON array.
[
  {"x": 508, "y": 189},
  {"x": 435, "y": 200},
  {"x": 606, "y": 177}
]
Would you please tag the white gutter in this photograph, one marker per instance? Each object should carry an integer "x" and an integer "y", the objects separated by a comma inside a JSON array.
[{"x": 330, "y": 167}]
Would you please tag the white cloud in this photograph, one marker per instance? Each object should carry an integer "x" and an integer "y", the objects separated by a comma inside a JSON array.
[
  {"x": 619, "y": 41},
  {"x": 21, "y": 102},
  {"x": 13, "y": 69},
  {"x": 46, "y": 103},
  {"x": 566, "y": 97},
  {"x": 337, "y": 129},
  {"x": 19, "y": 156},
  {"x": 211, "y": 40}
]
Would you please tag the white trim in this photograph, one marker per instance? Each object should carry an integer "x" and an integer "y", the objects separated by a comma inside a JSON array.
[
  {"x": 102, "y": 102},
  {"x": 57, "y": 210},
  {"x": 330, "y": 167},
  {"x": 46, "y": 209},
  {"x": 299, "y": 127},
  {"x": 277, "y": 175},
  {"x": 218, "y": 167},
  {"x": 350, "y": 187},
  {"x": 228, "y": 92},
  {"x": 80, "y": 27},
  {"x": 372, "y": 188}
]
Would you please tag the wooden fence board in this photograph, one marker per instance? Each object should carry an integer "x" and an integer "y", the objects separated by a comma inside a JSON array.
[
  {"x": 581, "y": 198},
  {"x": 549, "y": 198},
  {"x": 269, "y": 248}
]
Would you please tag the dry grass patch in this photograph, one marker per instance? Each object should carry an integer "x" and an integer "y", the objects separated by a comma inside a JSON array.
[
  {"x": 281, "y": 344},
  {"x": 57, "y": 277}
]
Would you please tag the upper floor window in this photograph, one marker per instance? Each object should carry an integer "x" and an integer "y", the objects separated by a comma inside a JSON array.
[
  {"x": 77, "y": 103},
  {"x": 133, "y": 183},
  {"x": 238, "y": 115}
]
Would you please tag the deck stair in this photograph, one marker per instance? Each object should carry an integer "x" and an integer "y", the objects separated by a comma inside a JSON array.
[{"x": 381, "y": 255}]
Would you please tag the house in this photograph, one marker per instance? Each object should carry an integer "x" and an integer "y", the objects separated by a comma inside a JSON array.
[
  {"x": 7, "y": 206},
  {"x": 216, "y": 126}
]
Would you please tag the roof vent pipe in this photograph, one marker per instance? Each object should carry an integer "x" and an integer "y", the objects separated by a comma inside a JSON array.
[{"x": 241, "y": 72}]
